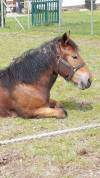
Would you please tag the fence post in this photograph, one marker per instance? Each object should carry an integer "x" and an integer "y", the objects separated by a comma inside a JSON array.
[
  {"x": 2, "y": 14},
  {"x": 46, "y": 13},
  {"x": 91, "y": 19},
  {"x": 60, "y": 15}
]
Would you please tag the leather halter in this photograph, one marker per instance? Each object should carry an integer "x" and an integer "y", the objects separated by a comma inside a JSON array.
[{"x": 72, "y": 69}]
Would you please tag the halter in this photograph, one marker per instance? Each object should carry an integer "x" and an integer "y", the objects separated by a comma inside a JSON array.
[{"x": 72, "y": 69}]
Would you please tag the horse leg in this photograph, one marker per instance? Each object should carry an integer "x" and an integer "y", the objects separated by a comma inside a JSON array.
[
  {"x": 30, "y": 102},
  {"x": 55, "y": 104},
  {"x": 42, "y": 112},
  {"x": 4, "y": 112},
  {"x": 50, "y": 112}
]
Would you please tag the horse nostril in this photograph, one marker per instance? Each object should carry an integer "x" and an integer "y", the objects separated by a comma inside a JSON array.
[{"x": 89, "y": 81}]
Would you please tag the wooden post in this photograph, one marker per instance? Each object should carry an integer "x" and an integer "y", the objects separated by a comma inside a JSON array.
[{"x": 91, "y": 20}]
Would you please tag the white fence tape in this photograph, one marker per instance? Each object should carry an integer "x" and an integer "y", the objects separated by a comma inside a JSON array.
[{"x": 49, "y": 134}]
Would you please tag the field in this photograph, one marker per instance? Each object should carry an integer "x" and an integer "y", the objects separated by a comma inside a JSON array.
[{"x": 70, "y": 156}]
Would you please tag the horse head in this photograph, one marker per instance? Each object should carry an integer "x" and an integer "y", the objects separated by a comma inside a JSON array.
[{"x": 70, "y": 64}]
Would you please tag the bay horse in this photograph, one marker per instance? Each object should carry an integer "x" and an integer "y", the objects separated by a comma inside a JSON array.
[{"x": 26, "y": 83}]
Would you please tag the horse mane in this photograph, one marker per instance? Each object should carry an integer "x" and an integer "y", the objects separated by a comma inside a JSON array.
[{"x": 28, "y": 67}]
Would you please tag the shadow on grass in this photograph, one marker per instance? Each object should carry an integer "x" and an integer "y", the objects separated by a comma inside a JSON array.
[{"x": 74, "y": 105}]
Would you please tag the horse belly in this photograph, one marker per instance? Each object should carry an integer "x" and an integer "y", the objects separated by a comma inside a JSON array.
[{"x": 27, "y": 97}]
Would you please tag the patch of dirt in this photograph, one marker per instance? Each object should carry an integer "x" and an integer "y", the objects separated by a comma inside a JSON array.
[
  {"x": 8, "y": 163},
  {"x": 92, "y": 170},
  {"x": 82, "y": 152},
  {"x": 92, "y": 43},
  {"x": 15, "y": 165},
  {"x": 8, "y": 158}
]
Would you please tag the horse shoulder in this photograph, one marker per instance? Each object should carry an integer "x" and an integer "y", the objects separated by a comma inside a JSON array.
[{"x": 28, "y": 96}]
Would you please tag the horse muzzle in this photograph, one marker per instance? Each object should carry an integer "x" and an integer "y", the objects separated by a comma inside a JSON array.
[{"x": 84, "y": 84}]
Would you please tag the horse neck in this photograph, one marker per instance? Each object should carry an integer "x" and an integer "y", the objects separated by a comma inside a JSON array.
[{"x": 55, "y": 58}]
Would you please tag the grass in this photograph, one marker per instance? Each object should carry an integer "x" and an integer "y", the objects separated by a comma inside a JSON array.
[
  {"x": 77, "y": 22},
  {"x": 58, "y": 157}
]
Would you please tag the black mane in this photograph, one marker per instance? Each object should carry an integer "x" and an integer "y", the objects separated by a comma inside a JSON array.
[{"x": 30, "y": 65}]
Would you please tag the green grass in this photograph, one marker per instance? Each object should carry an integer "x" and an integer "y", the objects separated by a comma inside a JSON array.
[
  {"x": 57, "y": 157},
  {"x": 77, "y": 22}
]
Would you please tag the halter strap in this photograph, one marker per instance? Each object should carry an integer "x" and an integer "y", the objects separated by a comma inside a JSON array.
[
  {"x": 76, "y": 68},
  {"x": 79, "y": 66}
]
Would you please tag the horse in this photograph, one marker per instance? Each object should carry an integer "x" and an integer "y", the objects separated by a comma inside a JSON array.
[{"x": 26, "y": 83}]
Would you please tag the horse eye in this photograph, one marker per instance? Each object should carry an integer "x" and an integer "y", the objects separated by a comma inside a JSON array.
[
  {"x": 65, "y": 49},
  {"x": 74, "y": 57}
]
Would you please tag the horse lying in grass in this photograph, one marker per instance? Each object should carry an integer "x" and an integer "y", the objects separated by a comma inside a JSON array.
[{"x": 26, "y": 83}]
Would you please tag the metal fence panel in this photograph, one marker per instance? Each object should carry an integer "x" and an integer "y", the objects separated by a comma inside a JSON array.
[{"x": 45, "y": 12}]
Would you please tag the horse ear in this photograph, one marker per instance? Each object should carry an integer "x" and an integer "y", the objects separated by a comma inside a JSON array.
[{"x": 64, "y": 37}]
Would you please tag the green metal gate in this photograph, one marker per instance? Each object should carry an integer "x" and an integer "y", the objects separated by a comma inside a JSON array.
[{"x": 45, "y": 12}]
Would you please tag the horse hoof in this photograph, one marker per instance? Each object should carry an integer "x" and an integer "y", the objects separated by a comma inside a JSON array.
[
  {"x": 63, "y": 114},
  {"x": 66, "y": 114},
  {"x": 59, "y": 105}
]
